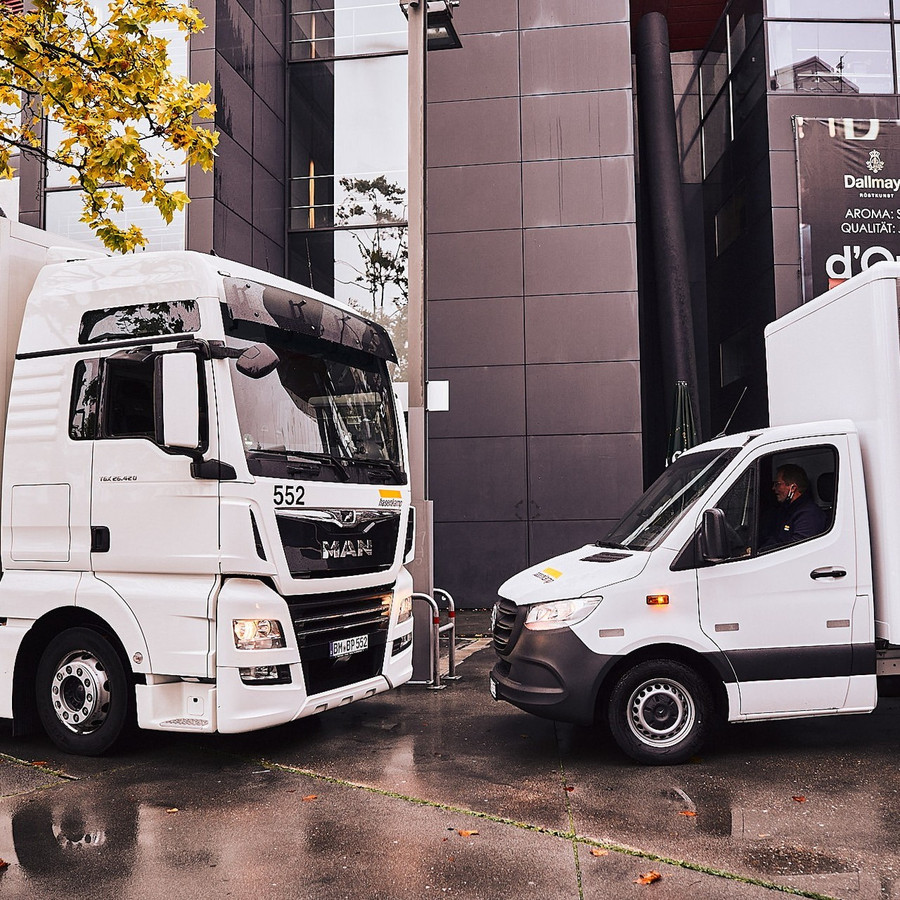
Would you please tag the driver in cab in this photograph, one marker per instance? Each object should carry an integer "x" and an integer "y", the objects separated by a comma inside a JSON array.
[{"x": 797, "y": 516}]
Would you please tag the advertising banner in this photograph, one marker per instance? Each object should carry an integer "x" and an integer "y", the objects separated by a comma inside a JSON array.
[{"x": 849, "y": 189}]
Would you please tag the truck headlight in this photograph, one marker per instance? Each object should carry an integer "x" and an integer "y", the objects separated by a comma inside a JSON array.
[
  {"x": 404, "y": 609},
  {"x": 257, "y": 634},
  {"x": 560, "y": 613}
]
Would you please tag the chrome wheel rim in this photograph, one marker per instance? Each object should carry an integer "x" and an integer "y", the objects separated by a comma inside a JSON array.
[{"x": 80, "y": 692}]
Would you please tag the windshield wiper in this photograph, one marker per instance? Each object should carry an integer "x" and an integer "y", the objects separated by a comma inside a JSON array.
[
  {"x": 612, "y": 545},
  {"x": 339, "y": 465},
  {"x": 389, "y": 464}
]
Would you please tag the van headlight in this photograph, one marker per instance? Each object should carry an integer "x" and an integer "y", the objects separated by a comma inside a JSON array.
[{"x": 560, "y": 613}]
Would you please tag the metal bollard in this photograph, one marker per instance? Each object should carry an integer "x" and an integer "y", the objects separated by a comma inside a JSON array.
[
  {"x": 426, "y": 629},
  {"x": 451, "y": 627}
]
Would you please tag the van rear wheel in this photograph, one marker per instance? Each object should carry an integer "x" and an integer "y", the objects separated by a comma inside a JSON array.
[
  {"x": 84, "y": 699},
  {"x": 660, "y": 711}
]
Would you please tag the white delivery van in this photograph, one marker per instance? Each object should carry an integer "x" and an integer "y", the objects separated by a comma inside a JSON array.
[
  {"x": 205, "y": 500},
  {"x": 705, "y": 601}
]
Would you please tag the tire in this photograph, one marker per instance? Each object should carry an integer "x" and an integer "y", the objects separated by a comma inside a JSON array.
[
  {"x": 660, "y": 712},
  {"x": 84, "y": 698}
]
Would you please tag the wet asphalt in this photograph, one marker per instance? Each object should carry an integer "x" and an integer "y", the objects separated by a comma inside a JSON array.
[{"x": 422, "y": 794}]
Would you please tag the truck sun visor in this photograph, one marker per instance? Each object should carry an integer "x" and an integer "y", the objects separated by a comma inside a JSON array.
[{"x": 250, "y": 301}]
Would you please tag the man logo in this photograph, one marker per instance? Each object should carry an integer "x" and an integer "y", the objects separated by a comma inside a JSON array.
[{"x": 341, "y": 549}]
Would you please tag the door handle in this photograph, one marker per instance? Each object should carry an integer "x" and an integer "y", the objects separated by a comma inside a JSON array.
[{"x": 828, "y": 572}]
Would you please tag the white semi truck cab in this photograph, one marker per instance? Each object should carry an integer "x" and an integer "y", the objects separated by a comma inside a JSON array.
[
  {"x": 757, "y": 578},
  {"x": 205, "y": 499}
]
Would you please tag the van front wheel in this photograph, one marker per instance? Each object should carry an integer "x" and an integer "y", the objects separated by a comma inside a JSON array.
[{"x": 659, "y": 712}]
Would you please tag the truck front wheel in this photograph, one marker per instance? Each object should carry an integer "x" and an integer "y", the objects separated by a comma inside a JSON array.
[
  {"x": 659, "y": 712},
  {"x": 84, "y": 699}
]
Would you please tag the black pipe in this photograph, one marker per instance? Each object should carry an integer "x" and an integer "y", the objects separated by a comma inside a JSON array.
[{"x": 660, "y": 174}]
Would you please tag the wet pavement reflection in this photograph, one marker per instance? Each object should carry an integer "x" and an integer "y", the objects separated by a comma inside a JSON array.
[{"x": 420, "y": 792}]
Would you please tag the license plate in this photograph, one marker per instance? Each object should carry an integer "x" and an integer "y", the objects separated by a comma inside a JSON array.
[
  {"x": 346, "y": 646},
  {"x": 493, "y": 689}
]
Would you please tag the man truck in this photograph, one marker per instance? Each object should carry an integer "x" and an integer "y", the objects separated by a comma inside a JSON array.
[
  {"x": 691, "y": 610},
  {"x": 205, "y": 501}
]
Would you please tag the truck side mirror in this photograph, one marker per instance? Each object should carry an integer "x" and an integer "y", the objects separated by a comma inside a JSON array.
[
  {"x": 257, "y": 361},
  {"x": 714, "y": 536},
  {"x": 178, "y": 401}
]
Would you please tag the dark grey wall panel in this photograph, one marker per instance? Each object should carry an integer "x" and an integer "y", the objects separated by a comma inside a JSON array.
[
  {"x": 475, "y": 198},
  {"x": 270, "y": 20},
  {"x": 268, "y": 73},
  {"x": 551, "y": 13},
  {"x": 486, "y": 15},
  {"x": 478, "y": 479},
  {"x": 486, "y": 66},
  {"x": 268, "y": 204},
  {"x": 234, "y": 106},
  {"x": 473, "y": 559},
  {"x": 786, "y": 236},
  {"x": 474, "y": 264},
  {"x": 232, "y": 174},
  {"x": 589, "y": 58},
  {"x": 564, "y": 126},
  {"x": 268, "y": 255},
  {"x": 268, "y": 140},
  {"x": 552, "y": 538},
  {"x": 783, "y": 165},
  {"x": 481, "y": 332},
  {"x": 467, "y": 133},
  {"x": 234, "y": 37},
  {"x": 591, "y": 476},
  {"x": 580, "y": 260},
  {"x": 581, "y": 328},
  {"x": 485, "y": 401},
  {"x": 584, "y": 398},
  {"x": 788, "y": 289},
  {"x": 232, "y": 235},
  {"x": 578, "y": 191}
]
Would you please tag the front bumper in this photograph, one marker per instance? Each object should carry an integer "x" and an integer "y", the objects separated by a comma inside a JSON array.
[{"x": 551, "y": 674}]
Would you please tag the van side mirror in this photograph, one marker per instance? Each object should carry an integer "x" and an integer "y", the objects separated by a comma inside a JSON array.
[
  {"x": 178, "y": 401},
  {"x": 714, "y": 536}
]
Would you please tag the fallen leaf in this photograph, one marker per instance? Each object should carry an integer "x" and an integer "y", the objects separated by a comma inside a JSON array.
[
  {"x": 292, "y": 790},
  {"x": 463, "y": 833},
  {"x": 570, "y": 787},
  {"x": 40, "y": 762},
  {"x": 309, "y": 797},
  {"x": 174, "y": 809},
  {"x": 3, "y": 864},
  {"x": 648, "y": 877},
  {"x": 687, "y": 812},
  {"x": 599, "y": 851},
  {"x": 799, "y": 798}
]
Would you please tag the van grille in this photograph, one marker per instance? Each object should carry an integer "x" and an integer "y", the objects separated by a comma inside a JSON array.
[
  {"x": 505, "y": 625},
  {"x": 322, "y": 619}
]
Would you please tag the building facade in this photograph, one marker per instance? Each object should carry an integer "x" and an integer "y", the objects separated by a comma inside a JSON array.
[{"x": 546, "y": 285}]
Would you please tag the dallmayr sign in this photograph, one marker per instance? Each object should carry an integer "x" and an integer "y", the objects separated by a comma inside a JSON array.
[{"x": 849, "y": 185}]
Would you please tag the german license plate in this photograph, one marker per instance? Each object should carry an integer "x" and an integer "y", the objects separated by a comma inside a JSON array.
[{"x": 346, "y": 646}]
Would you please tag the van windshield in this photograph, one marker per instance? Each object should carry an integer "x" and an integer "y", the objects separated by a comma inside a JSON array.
[{"x": 668, "y": 499}]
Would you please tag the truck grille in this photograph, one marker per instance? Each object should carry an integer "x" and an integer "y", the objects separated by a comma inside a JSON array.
[
  {"x": 322, "y": 619},
  {"x": 323, "y": 543},
  {"x": 505, "y": 625}
]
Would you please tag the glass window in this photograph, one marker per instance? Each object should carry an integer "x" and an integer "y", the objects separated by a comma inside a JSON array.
[
  {"x": 143, "y": 320},
  {"x": 128, "y": 398},
  {"x": 830, "y": 58},
  {"x": 714, "y": 68},
  {"x": 744, "y": 21},
  {"x": 325, "y": 29},
  {"x": 85, "y": 400},
  {"x": 828, "y": 9},
  {"x": 716, "y": 133},
  {"x": 748, "y": 81},
  {"x": 64, "y": 213}
]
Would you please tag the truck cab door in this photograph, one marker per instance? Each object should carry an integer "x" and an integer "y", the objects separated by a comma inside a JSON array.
[
  {"x": 782, "y": 605},
  {"x": 149, "y": 515}
]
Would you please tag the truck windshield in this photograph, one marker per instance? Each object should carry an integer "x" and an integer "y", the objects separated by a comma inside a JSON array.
[
  {"x": 667, "y": 499},
  {"x": 324, "y": 412}
]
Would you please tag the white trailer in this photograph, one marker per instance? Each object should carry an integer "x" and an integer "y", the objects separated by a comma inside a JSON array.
[
  {"x": 205, "y": 500},
  {"x": 757, "y": 577}
]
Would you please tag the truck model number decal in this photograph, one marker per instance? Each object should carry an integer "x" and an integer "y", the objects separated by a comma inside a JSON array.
[{"x": 289, "y": 495}]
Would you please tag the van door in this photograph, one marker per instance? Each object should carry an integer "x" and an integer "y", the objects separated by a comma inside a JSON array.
[{"x": 780, "y": 605}]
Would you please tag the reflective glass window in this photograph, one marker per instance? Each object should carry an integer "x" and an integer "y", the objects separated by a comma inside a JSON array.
[
  {"x": 828, "y": 9},
  {"x": 141, "y": 320},
  {"x": 714, "y": 68},
  {"x": 716, "y": 133},
  {"x": 325, "y": 29},
  {"x": 830, "y": 58}
]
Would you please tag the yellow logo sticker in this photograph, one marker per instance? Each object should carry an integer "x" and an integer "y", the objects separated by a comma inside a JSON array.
[{"x": 390, "y": 498}]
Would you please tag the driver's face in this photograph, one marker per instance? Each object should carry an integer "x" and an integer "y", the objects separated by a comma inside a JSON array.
[{"x": 782, "y": 488}]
